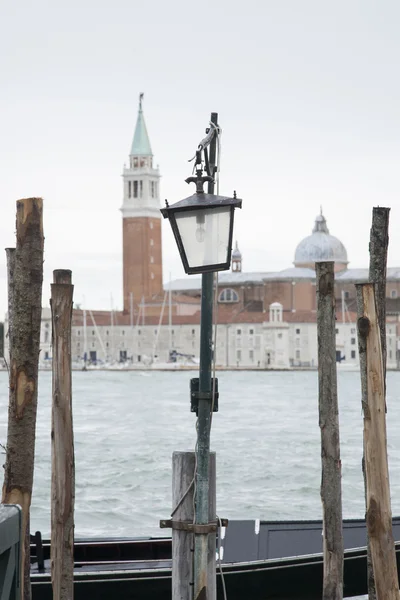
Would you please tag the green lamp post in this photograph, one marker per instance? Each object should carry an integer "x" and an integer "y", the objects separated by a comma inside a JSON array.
[{"x": 202, "y": 225}]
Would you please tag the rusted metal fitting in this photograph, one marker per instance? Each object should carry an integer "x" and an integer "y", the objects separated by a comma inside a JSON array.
[{"x": 191, "y": 527}]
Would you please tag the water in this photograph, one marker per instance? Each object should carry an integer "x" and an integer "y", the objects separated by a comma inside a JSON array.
[{"x": 266, "y": 435}]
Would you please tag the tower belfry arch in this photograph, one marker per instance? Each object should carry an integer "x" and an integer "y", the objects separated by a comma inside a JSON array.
[{"x": 141, "y": 220}]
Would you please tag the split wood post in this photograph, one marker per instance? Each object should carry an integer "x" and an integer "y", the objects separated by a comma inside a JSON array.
[
  {"x": 25, "y": 347},
  {"x": 10, "y": 254},
  {"x": 183, "y": 472},
  {"x": 331, "y": 486},
  {"x": 378, "y": 509},
  {"x": 62, "y": 441},
  {"x": 378, "y": 249}
]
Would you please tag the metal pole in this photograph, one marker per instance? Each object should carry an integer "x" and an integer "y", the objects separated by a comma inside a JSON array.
[{"x": 204, "y": 416}]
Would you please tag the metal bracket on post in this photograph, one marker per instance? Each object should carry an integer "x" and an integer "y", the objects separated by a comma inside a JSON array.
[
  {"x": 195, "y": 395},
  {"x": 191, "y": 527}
]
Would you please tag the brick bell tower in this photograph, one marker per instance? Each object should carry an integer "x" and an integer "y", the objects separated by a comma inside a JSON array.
[{"x": 141, "y": 221}]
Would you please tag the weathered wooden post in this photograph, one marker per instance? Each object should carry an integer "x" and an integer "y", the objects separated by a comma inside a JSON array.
[
  {"x": 25, "y": 346},
  {"x": 62, "y": 441},
  {"x": 378, "y": 509},
  {"x": 378, "y": 249},
  {"x": 183, "y": 526},
  {"x": 331, "y": 486},
  {"x": 10, "y": 254}
]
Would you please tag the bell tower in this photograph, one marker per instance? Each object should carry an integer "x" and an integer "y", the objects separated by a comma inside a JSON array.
[{"x": 141, "y": 220}]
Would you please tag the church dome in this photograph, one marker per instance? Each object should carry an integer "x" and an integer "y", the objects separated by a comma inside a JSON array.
[{"x": 320, "y": 246}]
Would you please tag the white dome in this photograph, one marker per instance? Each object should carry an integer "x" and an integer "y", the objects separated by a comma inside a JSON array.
[{"x": 320, "y": 246}]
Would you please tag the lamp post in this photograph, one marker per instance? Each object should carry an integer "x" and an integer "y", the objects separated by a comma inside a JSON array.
[{"x": 203, "y": 227}]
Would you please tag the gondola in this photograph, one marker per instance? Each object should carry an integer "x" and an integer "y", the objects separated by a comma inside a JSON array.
[{"x": 259, "y": 560}]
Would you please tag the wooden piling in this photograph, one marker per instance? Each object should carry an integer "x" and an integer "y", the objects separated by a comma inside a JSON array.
[
  {"x": 378, "y": 508},
  {"x": 378, "y": 249},
  {"x": 62, "y": 441},
  {"x": 331, "y": 490},
  {"x": 10, "y": 254},
  {"x": 25, "y": 346},
  {"x": 183, "y": 469}
]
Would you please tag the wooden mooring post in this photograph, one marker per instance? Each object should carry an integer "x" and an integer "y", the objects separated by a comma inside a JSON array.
[
  {"x": 378, "y": 249},
  {"x": 24, "y": 342},
  {"x": 378, "y": 508},
  {"x": 331, "y": 485},
  {"x": 183, "y": 474},
  {"x": 62, "y": 441}
]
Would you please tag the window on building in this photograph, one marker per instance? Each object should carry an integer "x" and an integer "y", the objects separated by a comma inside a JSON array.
[
  {"x": 93, "y": 344},
  {"x": 136, "y": 162},
  {"x": 135, "y": 189},
  {"x": 155, "y": 189},
  {"x": 93, "y": 332},
  {"x": 47, "y": 325},
  {"x": 347, "y": 295},
  {"x": 193, "y": 332},
  {"x": 353, "y": 354},
  {"x": 155, "y": 332},
  {"x": 298, "y": 354},
  {"x": 352, "y": 330},
  {"x": 139, "y": 332},
  {"x": 390, "y": 354},
  {"x": 353, "y": 341},
  {"x": 297, "y": 331},
  {"x": 172, "y": 332},
  {"x": 279, "y": 336},
  {"x": 251, "y": 354},
  {"x": 107, "y": 332},
  {"x": 228, "y": 295},
  {"x": 129, "y": 189},
  {"x": 393, "y": 294},
  {"x": 238, "y": 332},
  {"x": 139, "y": 358},
  {"x": 141, "y": 188},
  {"x": 107, "y": 344},
  {"x": 336, "y": 331},
  {"x": 123, "y": 332},
  {"x": 251, "y": 331},
  {"x": 78, "y": 332}
]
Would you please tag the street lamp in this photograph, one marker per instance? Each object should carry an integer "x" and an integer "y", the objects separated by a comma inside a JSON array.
[{"x": 203, "y": 226}]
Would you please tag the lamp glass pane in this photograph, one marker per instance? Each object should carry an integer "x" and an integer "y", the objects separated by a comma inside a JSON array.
[{"x": 205, "y": 235}]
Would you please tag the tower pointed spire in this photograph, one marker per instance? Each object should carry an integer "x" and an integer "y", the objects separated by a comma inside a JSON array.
[{"x": 141, "y": 143}]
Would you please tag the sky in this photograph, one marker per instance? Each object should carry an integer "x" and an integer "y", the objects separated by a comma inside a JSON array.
[{"x": 307, "y": 93}]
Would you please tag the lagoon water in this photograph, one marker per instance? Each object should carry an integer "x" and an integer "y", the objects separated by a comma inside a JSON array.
[{"x": 266, "y": 435}]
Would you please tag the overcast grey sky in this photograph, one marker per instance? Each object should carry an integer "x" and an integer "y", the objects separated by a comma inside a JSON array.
[{"x": 308, "y": 95}]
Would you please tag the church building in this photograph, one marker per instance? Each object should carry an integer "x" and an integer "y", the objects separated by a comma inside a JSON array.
[{"x": 266, "y": 320}]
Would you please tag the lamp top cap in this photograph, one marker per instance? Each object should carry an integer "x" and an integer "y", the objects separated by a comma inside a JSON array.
[{"x": 201, "y": 202}]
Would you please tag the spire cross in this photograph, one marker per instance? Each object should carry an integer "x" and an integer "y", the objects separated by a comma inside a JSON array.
[{"x": 140, "y": 100}]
